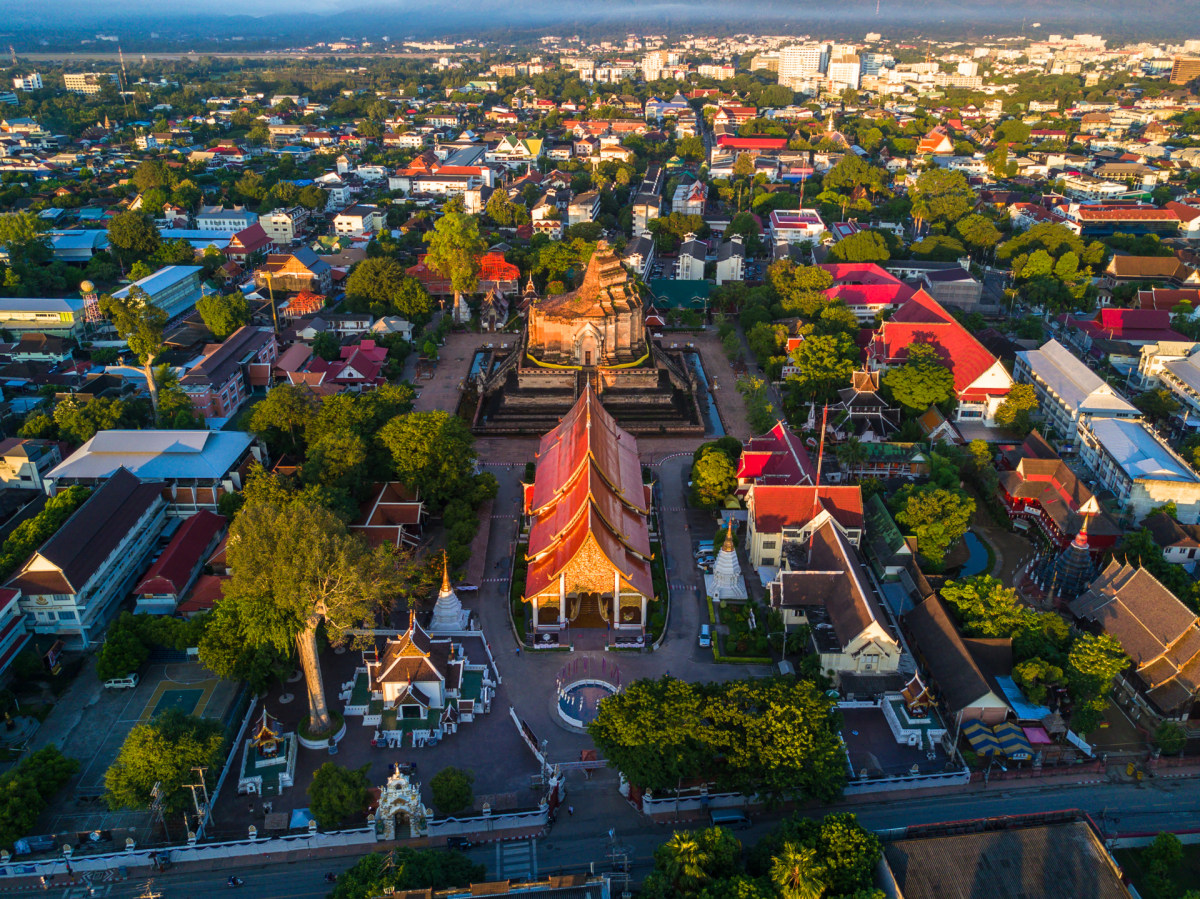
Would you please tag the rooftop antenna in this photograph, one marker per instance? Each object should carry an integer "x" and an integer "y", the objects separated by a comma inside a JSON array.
[
  {"x": 124, "y": 81},
  {"x": 13, "y": 54},
  {"x": 817, "y": 487}
]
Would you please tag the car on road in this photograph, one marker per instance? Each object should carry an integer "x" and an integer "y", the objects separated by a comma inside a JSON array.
[
  {"x": 705, "y": 635},
  {"x": 121, "y": 683}
]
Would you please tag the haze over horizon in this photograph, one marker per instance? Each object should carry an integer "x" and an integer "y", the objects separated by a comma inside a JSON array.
[{"x": 71, "y": 21}]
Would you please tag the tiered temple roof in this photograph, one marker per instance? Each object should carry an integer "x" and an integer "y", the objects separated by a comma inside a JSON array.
[{"x": 588, "y": 487}]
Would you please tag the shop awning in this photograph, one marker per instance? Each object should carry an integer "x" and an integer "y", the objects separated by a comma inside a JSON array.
[
  {"x": 981, "y": 738},
  {"x": 1012, "y": 741}
]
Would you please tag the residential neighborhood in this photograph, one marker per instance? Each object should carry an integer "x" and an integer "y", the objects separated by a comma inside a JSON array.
[{"x": 602, "y": 462}]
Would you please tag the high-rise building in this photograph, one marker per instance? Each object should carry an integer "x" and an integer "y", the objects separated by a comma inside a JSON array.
[
  {"x": 28, "y": 82},
  {"x": 845, "y": 71},
  {"x": 87, "y": 82},
  {"x": 803, "y": 59},
  {"x": 1184, "y": 69},
  {"x": 969, "y": 69}
]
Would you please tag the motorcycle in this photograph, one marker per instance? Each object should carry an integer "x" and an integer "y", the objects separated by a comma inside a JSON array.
[
  {"x": 330, "y": 877},
  {"x": 234, "y": 881}
]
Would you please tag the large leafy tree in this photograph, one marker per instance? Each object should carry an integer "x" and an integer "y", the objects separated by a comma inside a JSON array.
[
  {"x": 923, "y": 380},
  {"x": 140, "y": 324},
  {"x": 23, "y": 237},
  {"x": 941, "y": 197},
  {"x": 936, "y": 515},
  {"x": 163, "y": 752},
  {"x": 223, "y": 313},
  {"x": 713, "y": 479},
  {"x": 978, "y": 232},
  {"x": 451, "y": 790},
  {"x": 864, "y": 246},
  {"x": 26, "y": 789},
  {"x": 337, "y": 794},
  {"x": 454, "y": 251},
  {"x": 776, "y": 737},
  {"x": 1016, "y": 412},
  {"x": 381, "y": 286},
  {"x": 433, "y": 453},
  {"x": 824, "y": 363},
  {"x": 295, "y": 570},
  {"x": 133, "y": 236},
  {"x": 403, "y": 869},
  {"x": 282, "y": 417},
  {"x": 938, "y": 247}
]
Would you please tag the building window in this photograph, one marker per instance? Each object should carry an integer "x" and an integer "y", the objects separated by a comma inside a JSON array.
[
  {"x": 768, "y": 544},
  {"x": 768, "y": 561}
]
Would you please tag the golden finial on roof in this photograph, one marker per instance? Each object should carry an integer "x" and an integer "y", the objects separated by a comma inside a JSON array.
[{"x": 445, "y": 572}]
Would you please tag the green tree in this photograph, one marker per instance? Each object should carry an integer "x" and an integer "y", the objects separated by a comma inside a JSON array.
[
  {"x": 864, "y": 246},
  {"x": 133, "y": 235},
  {"x": 164, "y": 752},
  {"x": 338, "y": 794},
  {"x": 937, "y": 516},
  {"x": 140, "y": 324},
  {"x": 1157, "y": 405},
  {"x": 404, "y": 868},
  {"x": 1170, "y": 738},
  {"x": 1093, "y": 662},
  {"x": 223, "y": 313},
  {"x": 296, "y": 569},
  {"x": 939, "y": 248},
  {"x": 1016, "y": 412},
  {"x": 923, "y": 380},
  {"x": 796, "y": 873},
  {"x": 151, "y": 174},
  {"x": 79, "y": 421},
  {"x": 451, "y": 790},
  {"x": 23, "y": 237},
  {"x": 978, "y": 232},
  {"x": 760, "y": 411},
  {"x": 940, "y": 197},
  {"x": 825, "y": 363},
  {"x": 454, "y": 251},
  {"x": 713, "y": 479},
  {"x": 327, "y": 346},
  {"x": 25, "y": 539},
  {"x": 282, "y": 417},
  {"x": 26, "y": 789},
  {"x": 381, "y": 286},
  {"x": 434, "y": 454},
  {"x": 224, "y": 651}
]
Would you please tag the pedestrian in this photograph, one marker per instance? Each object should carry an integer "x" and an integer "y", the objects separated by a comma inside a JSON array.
[
  {"x": 518, "y": 650},
  {"x": 570, "y": 810}
]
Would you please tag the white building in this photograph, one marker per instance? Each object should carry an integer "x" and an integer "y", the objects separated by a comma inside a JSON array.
[
  {"x": 689, "y": 266},
  {"x": 87, "y": 82},
  {"x": 845, "y": 71},
  {"x": 690, "y": 198},
  {"x": 803, "y": 60},
  {"x": 731, "y": 258},
  {"x": 74, "y": 582},
  {"x": 284, "y": 226},
  {"x": 218, "y": 218},
  {"x": 28, "y": 82},
  {"x": 1140, "y": 470},
  {"x": 359, "y": 220},
  {"x": 796, "y": 225},
  {"x": 1069, "y": 393}
]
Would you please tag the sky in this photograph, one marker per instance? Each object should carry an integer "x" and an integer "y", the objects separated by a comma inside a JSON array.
[{"x": 70, "y": 19}]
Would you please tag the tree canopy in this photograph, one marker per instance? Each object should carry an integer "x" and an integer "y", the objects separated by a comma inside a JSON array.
[
  {"x": 454, "y": 250},
  {"x": 923, "y": 380},
  {"x": 403, "y": 869},
  {"x": 338, "y": 794},
  {"x": 777, "y": 737},
  {"x": 223, "y": 313},
  {"x": 938, "y": 516},
  {"x": 379, "y": 285},
  {"x": 164, "y": 751}
]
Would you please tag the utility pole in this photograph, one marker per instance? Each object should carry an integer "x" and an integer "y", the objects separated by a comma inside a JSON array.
[{"x": 201, "y": 810}]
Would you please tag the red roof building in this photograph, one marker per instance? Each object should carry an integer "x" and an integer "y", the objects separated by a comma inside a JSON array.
[
  {"x": 980, "y": 380},
  {"x": 360, "y": 367},
  {"x": 170, "y": 577},
  {"x": 495, "y": 272},
  {"x": 589, "y": 540},
  {"x": 937, "y": 142},
  {"x": 1139, "y": 327},
  {"x": 392, "y": 516},
  {"x": 777, "y": 458},
  {"x": 250, "y": 245},
  {"x": 779, "y": 512},
  {"x": 866, "y": 289},
  {"x": 731, "y": 142}
]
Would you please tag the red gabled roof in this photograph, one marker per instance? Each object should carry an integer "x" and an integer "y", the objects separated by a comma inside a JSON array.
[
  {"x": 777, "y": 457},
  {"x": 588, "y": 485},
  {"x": 858, "y": 273},
  {"x": 871, "y": 294},
  {"x": 251, "y": 239},
  {"x": 1127, "y": 324},
  {"x": 775, "y": 507},
  {"x": 183, "y": 555},
  {"x": 922, "y": 319},
  {"x": 751, "y": 143}
]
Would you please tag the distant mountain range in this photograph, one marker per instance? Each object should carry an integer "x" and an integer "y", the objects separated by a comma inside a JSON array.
[{"x": 140, "y": 24}]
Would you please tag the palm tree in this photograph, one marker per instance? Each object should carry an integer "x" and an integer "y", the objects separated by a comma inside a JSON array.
[
  {"x": 796, "y": 874},
  {"x": 684, "y": 861},
  {"x": 851, "y": 453}
]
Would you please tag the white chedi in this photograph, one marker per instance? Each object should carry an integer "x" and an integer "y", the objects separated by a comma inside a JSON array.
[
  {"x": 726, "y": 581},
  {"x": 448, "y": 611}
]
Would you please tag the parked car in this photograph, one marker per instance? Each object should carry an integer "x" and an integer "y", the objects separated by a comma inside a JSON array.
[
  {"x": 705, "y": 635},
  {"x": 122, "y": 683}
]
